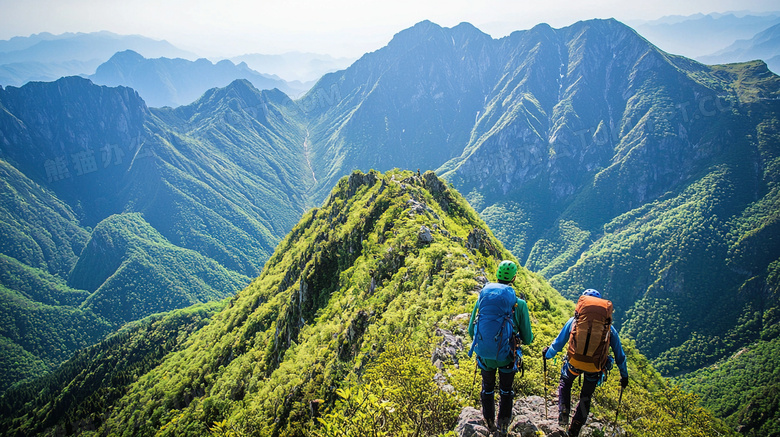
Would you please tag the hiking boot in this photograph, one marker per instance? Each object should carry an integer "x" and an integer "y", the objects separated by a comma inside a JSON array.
[
  {"x": 489, "y": 411},
  {"x": 491, "y": 426},
  {"x": 503, "y": 426},
  {"x": 574, "y": 429},
  {"x": 563, "y": 419}
]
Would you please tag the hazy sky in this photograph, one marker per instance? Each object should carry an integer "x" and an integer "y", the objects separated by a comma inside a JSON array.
[{"x": 336, "y": 27}]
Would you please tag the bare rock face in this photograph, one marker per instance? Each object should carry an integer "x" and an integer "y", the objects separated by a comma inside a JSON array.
[
  {"x": 528, "y": 420},
  {"x": 478, "y": 240},
  {"x": 448, "y": 348},
  {"x": 433, "y": 183},
  {"x": 471, "y": 423},
  {"x": 424, "y": 235},
  {"x": 358, "y": 179}
]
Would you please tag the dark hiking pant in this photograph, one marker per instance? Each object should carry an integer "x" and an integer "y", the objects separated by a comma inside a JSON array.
[
  {"x": 589, "y": 382},
  {"x": 505, "y": 379}
]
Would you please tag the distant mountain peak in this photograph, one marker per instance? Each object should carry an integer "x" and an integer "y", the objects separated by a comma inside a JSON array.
[
  {"x": 175, "y": 82},
  {"x": 127, "y": 55},
  {"x": 415, "y": 33},
  {"x": 468, "y": 31},
  {"x": 425, "y": 25},
  {"x": 243, "y": 86},
  {"x": 465, "y": 25}
]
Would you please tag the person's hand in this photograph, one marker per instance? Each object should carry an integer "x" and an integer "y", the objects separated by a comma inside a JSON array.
[
  {"x": 623, "y": 381},
  {"x": 548, "y": 353}
]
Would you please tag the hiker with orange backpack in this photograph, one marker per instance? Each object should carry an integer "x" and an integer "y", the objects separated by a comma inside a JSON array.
[
  {"x": 590, "y": 335},
  {"x": 499, "y": 324}
]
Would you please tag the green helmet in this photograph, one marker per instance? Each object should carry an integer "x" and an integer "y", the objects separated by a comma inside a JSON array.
[{"x": 506, "y": 271}]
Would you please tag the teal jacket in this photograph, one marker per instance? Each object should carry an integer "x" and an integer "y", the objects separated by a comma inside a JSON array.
[{"x": 522, "y": 327}]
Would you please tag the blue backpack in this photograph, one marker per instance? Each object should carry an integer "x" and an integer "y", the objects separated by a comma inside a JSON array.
[{"x": 493, "y": 326}]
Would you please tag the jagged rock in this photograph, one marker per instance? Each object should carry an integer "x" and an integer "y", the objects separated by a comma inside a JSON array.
[
  {"x": 358, "y": 179},
  {"x": 478, "y": 240},
  {"x": 528, "y": 417},
  {"x": 481, "y": 281},
  {"x": 441, "y": 381},
  {"x": 432, "y": 183},
  {"x": 528, "y": 421},
  {"x": 446, "y": 351},
  {"x": 438, "y": 189},
  {"x": 471, "y": 423},
  {"x": 415, "y": 207},
  {"x": 448, "y": 348},
  {"x": 412, "y": 180},
  {"x": 424, "y": 235}
]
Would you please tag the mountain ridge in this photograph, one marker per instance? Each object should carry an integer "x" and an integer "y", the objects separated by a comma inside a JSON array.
[
  {"x": 85, "y": 165},
  {"x": 48, "y": 57},
  {"x": 703, "y": 34},
  {"x": 646, "y": 175},
  {"x": 616, "y": 136},
  {"x": 356, "y": 287},
  {"x": 176, "y": 82},
  {"x": 762, "y": 45}
]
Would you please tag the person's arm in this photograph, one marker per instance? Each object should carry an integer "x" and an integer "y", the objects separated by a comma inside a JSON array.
[
  {"x": 617, "y": 349},
  {"x": 560, "y": 341},
  {"x": 471, "y": 320},
  {"x": 523, "y": 322}
]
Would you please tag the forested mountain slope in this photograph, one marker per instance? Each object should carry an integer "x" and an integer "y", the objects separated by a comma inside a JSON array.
[
  {"x": 744, "y": 388},
  {"x": 587, "y": 141},
  {"x": 128, "y": 212},
  {"x": 641, "y": 175},
  {"x": 597, "y": 159},
  {"x": 411, "y": 104},
  {"x": 345, "y": 313}
]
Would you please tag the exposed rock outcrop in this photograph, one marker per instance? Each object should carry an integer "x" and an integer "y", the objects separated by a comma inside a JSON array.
[
  {"x": 448, "y": 348},
  {"x": 528, "y": 421},
  {"x": 424, "y": 235}
]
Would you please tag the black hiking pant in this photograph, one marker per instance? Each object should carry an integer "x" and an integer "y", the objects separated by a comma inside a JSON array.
[
  {"x": 506, "y": 377},
  {"x": 589, "y": 382}
]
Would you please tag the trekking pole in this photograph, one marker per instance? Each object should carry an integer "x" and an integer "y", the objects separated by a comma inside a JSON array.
[
  {"x": 617, "y": 412},
  {"x": 544, "y": 360}
]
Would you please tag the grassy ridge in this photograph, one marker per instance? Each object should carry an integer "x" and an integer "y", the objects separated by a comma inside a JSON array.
[{"x": 350, "y": 280}]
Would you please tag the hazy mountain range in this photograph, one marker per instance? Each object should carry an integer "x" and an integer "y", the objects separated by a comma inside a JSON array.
[
  {"x": 764, "y": 45},
  {"x": 701, "y": 35},
  {"x": 176, "y": 82},
  {"x": 164, "y": 75},
  {"x": 713, "y": 38},
  {"x": 47, "y": 57},
  {"x": 597, "y": 159},
  {"x": 295, "y": 66}
]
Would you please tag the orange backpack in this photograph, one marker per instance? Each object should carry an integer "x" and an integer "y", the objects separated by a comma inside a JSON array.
[{"x": 589, "y": 341}]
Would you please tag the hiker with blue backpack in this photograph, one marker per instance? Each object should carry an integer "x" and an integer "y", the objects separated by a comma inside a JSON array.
[
  {"x": 590, "y": 335},
  {"x": 499, "y": 324}
]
